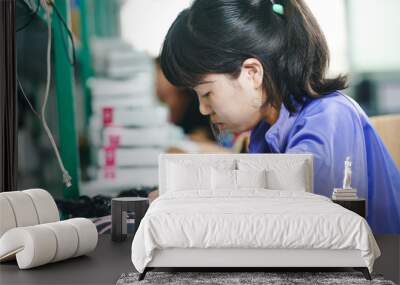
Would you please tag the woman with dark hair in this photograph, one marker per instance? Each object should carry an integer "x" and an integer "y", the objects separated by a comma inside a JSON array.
[{"x": 260, "y": 65}]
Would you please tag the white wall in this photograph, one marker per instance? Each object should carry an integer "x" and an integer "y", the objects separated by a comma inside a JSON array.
[
  {"x": 144, "y": 23},
  {"x": 375, "y": 35},
  {"x": 331, "y": 15}
]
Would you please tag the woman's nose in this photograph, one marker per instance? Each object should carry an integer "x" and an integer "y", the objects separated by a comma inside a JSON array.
[{"x": 205, "y": 109}]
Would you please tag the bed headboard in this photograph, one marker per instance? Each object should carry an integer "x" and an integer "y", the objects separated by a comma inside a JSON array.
[{"x": 274, "y": 161}]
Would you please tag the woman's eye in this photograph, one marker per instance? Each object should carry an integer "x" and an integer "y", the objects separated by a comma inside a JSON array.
[{"x": 206, "y": 95}]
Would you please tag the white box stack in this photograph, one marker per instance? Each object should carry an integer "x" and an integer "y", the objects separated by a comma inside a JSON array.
[{"x": 128, "y": 128}]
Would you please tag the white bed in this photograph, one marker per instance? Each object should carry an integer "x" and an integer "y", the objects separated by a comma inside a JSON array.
[{"x": 201, "y": 220}]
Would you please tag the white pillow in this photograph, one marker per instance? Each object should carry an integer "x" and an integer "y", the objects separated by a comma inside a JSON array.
[
  {"x": 290, "y": 180},
  {"x": 281, "y": 174},
  {"x": 228, "y": 179},
  {"x": 187, "y": 174},
  {"x": 251, "y": 178},
  {"x": 223, "y": 179},
  {"x": 183, "y": 177}
]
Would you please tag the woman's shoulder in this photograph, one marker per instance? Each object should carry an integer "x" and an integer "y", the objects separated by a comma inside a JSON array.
[
  {"x": 332, "y": 105},
  {"x": 331, "y": 112}
]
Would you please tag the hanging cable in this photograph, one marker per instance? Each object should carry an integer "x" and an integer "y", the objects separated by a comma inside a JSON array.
[
  {"x": 70, "y": 35},
  {"x": 66, "y": 177},
  {"x": 33, "y": 15},
  {"x": 27, "y": 100}
]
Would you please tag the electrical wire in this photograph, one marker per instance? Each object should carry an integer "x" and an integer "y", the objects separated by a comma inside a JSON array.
[
  {"x": 64, "y": 24},
  {"x": 27, "y": 100},
  {"x": 66, "y": 177},
  {"x": 46, "y": 4},
  {"x": 33, "y": 14},
  {"x": 70, "y": 35}
]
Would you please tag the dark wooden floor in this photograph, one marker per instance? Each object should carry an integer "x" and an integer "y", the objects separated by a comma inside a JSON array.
[{"x": 389, "y": 262}]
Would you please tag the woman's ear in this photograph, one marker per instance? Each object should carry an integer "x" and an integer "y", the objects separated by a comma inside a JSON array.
[{"x": 253, "y": 69}]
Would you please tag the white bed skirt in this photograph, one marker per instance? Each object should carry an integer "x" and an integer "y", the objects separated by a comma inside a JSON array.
[{"x": 212, "y": 257}]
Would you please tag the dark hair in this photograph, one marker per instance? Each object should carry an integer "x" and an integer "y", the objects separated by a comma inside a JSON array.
[
  {"x": 192, "y": 120},
  {"x": 218, "y": 36}
]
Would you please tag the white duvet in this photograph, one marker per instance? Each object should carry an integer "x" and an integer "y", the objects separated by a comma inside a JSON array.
[{"x": 250, "y": 219}]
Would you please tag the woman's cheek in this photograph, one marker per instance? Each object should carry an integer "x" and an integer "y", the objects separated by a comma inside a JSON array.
[{"x": 225, "y": 114}]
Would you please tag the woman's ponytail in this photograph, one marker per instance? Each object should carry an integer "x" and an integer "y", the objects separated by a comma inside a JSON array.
[{"x": 307, "y": 54}]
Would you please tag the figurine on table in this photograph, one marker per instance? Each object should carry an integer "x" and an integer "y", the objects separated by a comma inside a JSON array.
[{"x": 346, "y": 192}]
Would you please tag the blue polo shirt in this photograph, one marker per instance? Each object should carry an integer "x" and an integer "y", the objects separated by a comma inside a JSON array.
[{"x": 331, "y": 128}]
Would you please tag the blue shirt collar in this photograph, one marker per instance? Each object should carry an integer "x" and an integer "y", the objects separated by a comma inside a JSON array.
[{"x": 265, "y": 138}]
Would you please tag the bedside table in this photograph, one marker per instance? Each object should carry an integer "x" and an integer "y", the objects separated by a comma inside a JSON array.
[{"x": 358, "y": 206}]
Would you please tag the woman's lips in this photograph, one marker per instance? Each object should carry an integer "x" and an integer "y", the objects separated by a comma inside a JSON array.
[{"x": 220, "y": 125}]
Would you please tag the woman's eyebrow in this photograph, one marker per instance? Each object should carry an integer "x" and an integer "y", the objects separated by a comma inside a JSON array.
[{"x": 205, "y": 82}]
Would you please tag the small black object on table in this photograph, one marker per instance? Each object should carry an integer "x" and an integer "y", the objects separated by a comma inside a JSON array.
[
  {"x": 120, "y": 207},
  {"x": 358, "y": 205}
]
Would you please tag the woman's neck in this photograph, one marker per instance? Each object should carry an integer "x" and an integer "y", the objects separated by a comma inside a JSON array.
[{"x": 270, "y": 114}]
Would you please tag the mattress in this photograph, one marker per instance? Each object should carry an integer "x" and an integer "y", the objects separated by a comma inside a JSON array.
[{"x": 250, "y": 219}]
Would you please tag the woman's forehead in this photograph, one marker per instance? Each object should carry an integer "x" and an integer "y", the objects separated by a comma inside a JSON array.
[
  {"x": 205, "y": 82},
  {"x": 210, "y": 78}
]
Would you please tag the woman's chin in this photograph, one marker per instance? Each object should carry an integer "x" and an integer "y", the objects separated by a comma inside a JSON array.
[
  {"x": 237, "y": 129},
  {"x": 231, "y": 128},
  {"x": 221, "y": 127}
]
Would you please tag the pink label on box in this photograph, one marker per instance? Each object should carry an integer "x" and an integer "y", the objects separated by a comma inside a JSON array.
[
  {"x": 109, "y": 172},
  {"x": 109, "y": 156},
  {"x": 107, "y": 116},
  {"x": 113, "y": 140},
  {"x": 109, "y": 163}
]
